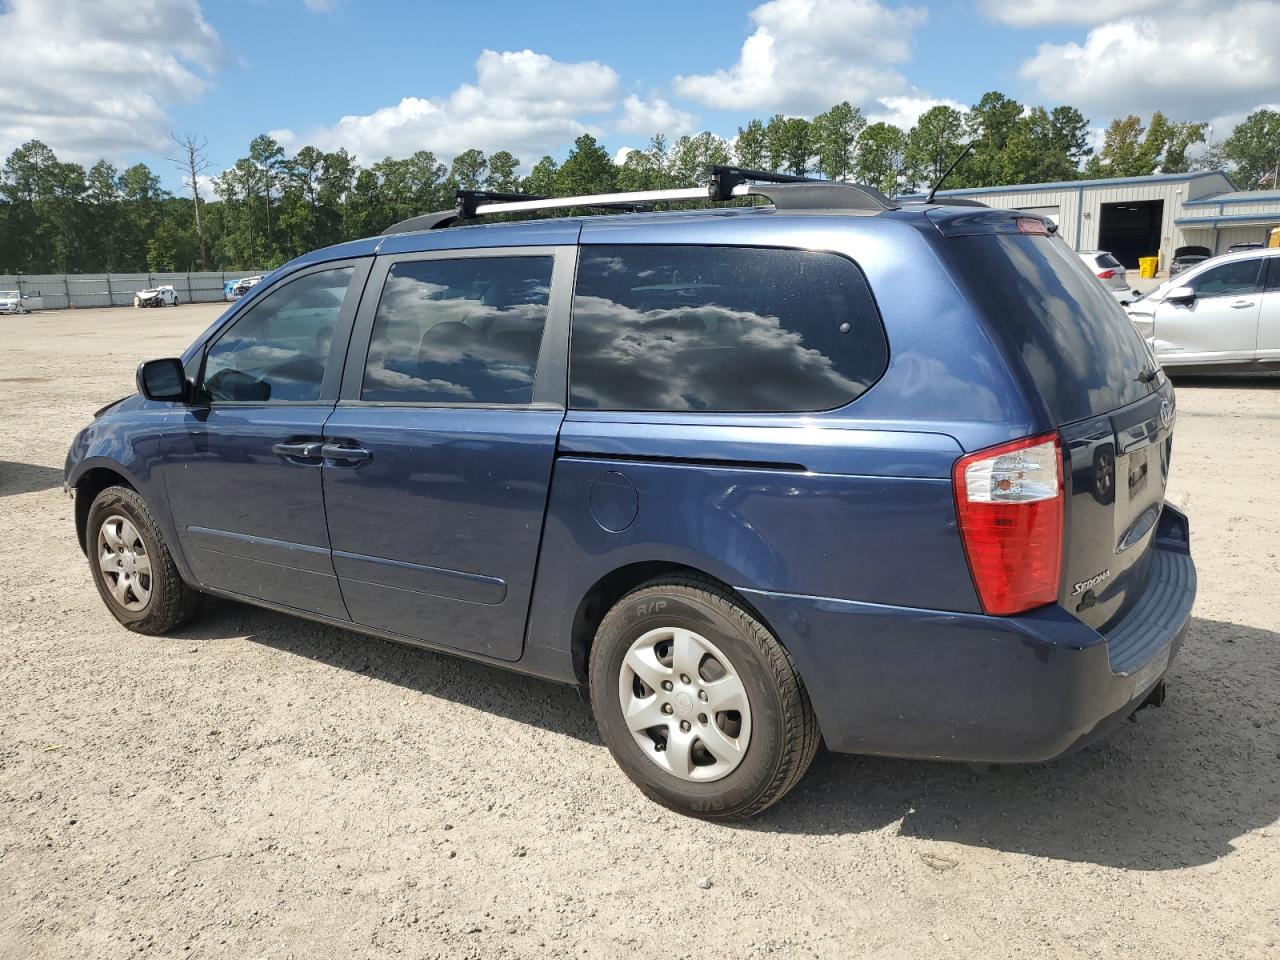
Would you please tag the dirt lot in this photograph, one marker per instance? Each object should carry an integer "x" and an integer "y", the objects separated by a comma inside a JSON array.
[{"x": 261, "y": 787}]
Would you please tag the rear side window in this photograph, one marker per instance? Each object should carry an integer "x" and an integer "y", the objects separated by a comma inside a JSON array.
[
  {"x": 459, "y": 331},
  {"x": 1233, "y": 279},
  {"x": 1078, "y": 346},
  {"x": 689, "y": 328}
]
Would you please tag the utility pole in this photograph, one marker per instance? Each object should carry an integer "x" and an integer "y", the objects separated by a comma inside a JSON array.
[{"x": 192, "y": 162}]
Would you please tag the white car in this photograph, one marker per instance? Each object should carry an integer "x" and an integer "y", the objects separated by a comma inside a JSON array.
[
  {"x": 156, "y": 297},
  {"x": 13, "y": 301},
  {"x": 1111, "y": 273},
  {"x": 1221, "y": 315}
]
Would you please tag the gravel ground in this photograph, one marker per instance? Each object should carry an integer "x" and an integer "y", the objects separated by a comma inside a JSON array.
[{"x": 258, "y": 786}]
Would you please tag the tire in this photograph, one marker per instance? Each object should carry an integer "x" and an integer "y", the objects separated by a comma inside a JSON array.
[
  {"x": 153, "y": 602},
  {"x": 760, "y": 753}
]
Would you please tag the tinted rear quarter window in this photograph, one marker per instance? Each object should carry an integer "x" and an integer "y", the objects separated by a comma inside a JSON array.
[
  {"x": 1076, "y": 343},
  {"x": 742, "y": 329}
]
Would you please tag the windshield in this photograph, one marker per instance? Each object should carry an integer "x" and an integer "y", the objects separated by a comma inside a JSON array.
[{"x": 9, "y": 294}]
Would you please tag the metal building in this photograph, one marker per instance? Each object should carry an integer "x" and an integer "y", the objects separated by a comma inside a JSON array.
[{"x": 1143, "y": 216}]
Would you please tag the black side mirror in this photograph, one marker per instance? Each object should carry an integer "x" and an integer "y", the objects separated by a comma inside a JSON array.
[{"x": 163, "y": 380}]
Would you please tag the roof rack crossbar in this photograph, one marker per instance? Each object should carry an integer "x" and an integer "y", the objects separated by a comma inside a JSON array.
[
  {"x": 727, "y": 182},
  {"x": 470, "y": 200},
  {"x": 725, "y": 178}
]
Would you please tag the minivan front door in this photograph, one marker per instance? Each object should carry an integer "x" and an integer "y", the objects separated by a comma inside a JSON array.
[
  {"x": 1220, "y": 325},
  {"x": 440, "y": 451},
  {"x": 242, "y": 466}
]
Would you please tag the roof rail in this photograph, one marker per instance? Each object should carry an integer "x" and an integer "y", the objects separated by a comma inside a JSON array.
[{"x": 785, "y": 191}]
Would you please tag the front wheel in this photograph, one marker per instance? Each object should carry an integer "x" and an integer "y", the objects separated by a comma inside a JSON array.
[
  {"x": 698, "y": 703},
  {"x": 132, "y": 566}
]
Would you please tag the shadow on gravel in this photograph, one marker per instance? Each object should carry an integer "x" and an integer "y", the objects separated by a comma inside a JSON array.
[
  {"x": 18, "y": 477},
  {"x": 1171, "y": 790},
  {"x": 552, "y": 706}
]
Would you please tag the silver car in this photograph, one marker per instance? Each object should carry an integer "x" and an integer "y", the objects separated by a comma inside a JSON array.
[
  {"x": 1110, "y": 272},
  {"x": 13, "y": 301},
  {"x": 1221, "y": 315}
]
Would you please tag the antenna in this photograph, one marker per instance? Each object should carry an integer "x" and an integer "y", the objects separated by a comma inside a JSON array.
[{"x": 947, "y": 172}]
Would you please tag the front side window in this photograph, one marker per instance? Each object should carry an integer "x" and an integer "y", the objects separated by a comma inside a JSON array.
[
  {"x": 745, "y": 329},
  {"x": 1235, "y": 279},
  {"x": 278, "y": 350},
  {"x": 459, "y": 331}
]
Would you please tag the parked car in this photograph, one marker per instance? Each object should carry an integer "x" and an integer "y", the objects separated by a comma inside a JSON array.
[
  {"x": 1223, "y": 315},
  {"x": 1186, "y": 257},
  {"x": 1245, "y": 245},
  {"x": 1111, "y": 272},
  {"x": 243, "y": 286},
  {"x": 14, "y": 301},
  {"x": 889, "y": 476},
  {"x": 164, "y": 296}
]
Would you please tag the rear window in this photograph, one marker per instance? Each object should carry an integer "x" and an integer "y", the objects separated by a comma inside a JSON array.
[
  {"x": 1077, "y": 344},
  {"x": 690, "y": 328},
  {"x": 1107, "y": 260}
]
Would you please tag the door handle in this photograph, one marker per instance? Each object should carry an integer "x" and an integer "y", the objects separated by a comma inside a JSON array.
[
  {"x": 1241, "y": 304},
  {"x": 345, "y": 454},
  {"x": 298, "y": 449}
]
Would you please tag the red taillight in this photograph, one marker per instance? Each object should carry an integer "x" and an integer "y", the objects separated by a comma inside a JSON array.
[
  {"x": 1106, "y": 274},
  {"x": 1009, "y": 502}
]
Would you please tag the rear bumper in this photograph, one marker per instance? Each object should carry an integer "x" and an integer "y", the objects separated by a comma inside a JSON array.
[{"x": 904, "y": 682}]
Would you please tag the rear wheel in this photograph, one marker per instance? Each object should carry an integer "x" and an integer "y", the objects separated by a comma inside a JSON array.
[
  {"x": 132, "y": 566},
  {"x": 699, "y": 704}
]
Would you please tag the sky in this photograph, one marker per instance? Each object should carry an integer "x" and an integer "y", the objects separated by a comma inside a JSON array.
[{"x": 112, "y": 78}]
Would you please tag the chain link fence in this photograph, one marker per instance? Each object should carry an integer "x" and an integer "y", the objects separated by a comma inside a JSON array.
[{"x": 61, "y": 290}]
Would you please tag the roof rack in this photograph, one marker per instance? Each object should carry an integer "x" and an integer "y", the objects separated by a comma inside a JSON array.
[{"x": 785, "y": 191}]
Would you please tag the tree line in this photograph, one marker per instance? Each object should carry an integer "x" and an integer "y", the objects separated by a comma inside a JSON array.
[{"x": 267, "y": 207}]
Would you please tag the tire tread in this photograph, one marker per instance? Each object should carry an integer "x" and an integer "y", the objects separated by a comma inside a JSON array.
[
  {"x": 179, "y": 602},
  {"x": 801, "y": 736}
]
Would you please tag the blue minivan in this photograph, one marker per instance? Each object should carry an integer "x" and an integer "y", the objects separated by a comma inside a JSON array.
[{"x": 890, "y": 476}]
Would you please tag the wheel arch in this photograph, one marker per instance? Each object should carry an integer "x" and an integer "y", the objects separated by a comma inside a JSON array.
[
  {"x": 616, "y": 584},
  {"x": 87, "y": 486}
]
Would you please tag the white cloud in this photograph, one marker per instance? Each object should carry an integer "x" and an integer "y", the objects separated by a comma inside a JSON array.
[
  {"x": 521, "y": 101},
  {"x": 806, "y": 55},
  {"x": 905, "y": 111},
  {"x": 1190, "y": 62},
  {"x": 320, "y": 6},
  {"x": 94, "y": 78},
  {"x": 654, "y": 115},
  {"x": 1036, "y": 13}
]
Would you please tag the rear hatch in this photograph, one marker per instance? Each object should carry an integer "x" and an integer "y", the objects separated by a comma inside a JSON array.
[{"x": 1084, "y": 362}]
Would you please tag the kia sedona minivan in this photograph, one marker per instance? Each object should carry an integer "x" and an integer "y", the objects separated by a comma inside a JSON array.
[{"x": 889, "y": 476}]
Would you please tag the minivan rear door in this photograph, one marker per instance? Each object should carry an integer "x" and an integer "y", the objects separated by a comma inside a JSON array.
[
  {"x": 1091, "y": 373},
  {"x": 438, "y": 456}
]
